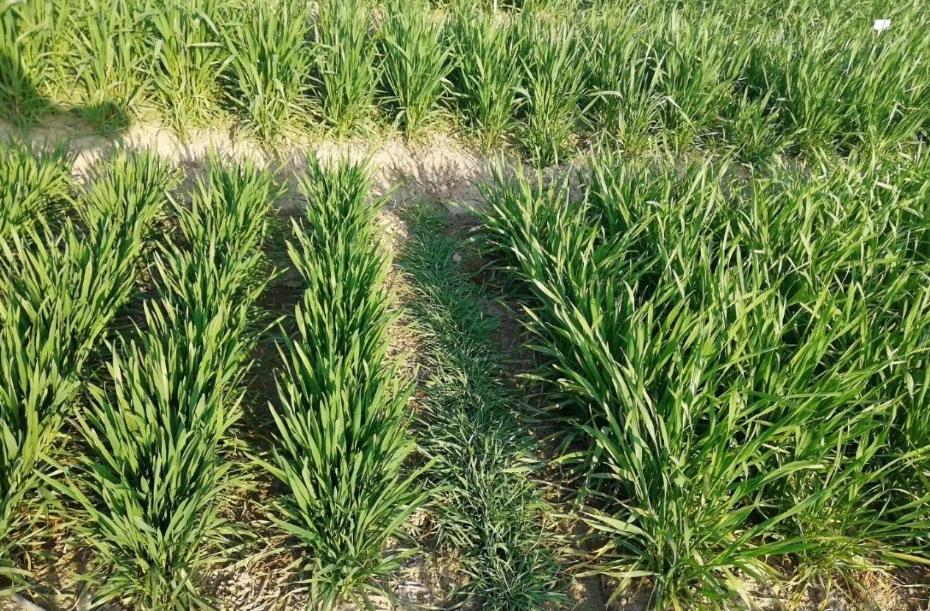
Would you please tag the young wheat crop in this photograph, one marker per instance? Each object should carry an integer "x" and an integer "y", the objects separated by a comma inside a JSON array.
[
  {"x": 726, "y": 352},
  {"x": 727, "y": 291},
  {"x": 484, "y": 76},
  {"x": 268, "y": 65},
  {"x": 189, "y": 57},
  {"x": 33, "y": 188},
  {"x": 155, "y": 476},
  {"x": 800, "y": 77},
  {"x": 60, "y": 291},
  {"x": 415, "y": 64},
  {"x": 345, "y": 70},
  {"x": 340, "y": 418}
]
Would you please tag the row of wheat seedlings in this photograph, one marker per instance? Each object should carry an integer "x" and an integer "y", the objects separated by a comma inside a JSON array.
[
  {"x": 550, "y": 78},
  {"x": 154, "y": 476},
  {"x": 30, "y": 187},
  {"x": 340, "y": 410},
  {"x": 154, "y": 468},
  {"x": 743, "y": 361},
  {"x": 61, "y": 287},
  {"x": 489, "y": 512}
]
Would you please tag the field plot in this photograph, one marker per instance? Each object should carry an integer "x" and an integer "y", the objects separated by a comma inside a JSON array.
[{"x": 540, "y": 304}]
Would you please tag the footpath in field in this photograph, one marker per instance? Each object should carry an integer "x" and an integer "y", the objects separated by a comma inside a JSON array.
[{"x": 487, "y": 509}]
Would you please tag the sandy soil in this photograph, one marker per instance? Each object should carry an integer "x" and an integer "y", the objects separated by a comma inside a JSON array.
[{"x": 436, "y": 168}]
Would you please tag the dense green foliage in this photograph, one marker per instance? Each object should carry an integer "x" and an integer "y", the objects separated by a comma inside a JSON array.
[
  {"x": 800, "y": 76},
  {"x": 31, "y": 189},
  {"x": 744, "y": 362},
  {"x": 727, "y": 301},
  {"x": 483, "y": 461},
  {"x": 154, "y": 476},
  {"x": 415, "y": 64},
  {"x": 340, "y": 410},
  {"x": 156, "y": 461},
  {"x": 60, "y": 290}
]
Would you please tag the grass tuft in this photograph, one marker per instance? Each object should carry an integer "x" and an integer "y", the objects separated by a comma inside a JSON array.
[
  {"x": 30, "y": 41},
  {"x": 61, "y": 290},
  {"x": 108, "y": 48},
  {"x": 484, "y": 76},
  {"x": 33, "y": 188},
  {"x": 553, "y": 88},
  {"x": 621, "y": 79},
  {"x": 345, "y": 73},
  {"x": 268, "y": 67},
  {"x": 187, "y": 44},
  {"x": 731, "y": 360}
]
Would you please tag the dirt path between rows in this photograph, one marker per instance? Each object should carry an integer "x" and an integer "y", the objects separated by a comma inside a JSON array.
[{"x": 436, "y": 168}]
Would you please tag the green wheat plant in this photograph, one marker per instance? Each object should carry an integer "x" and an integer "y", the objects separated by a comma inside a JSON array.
[
  {"x": 31, "y": 48},
  {"x": 484, "y": 78},
  {"x": 345, "y": 72},
  {"x": 721, "y": 263},
  {"x": 268, "y": 66},
  {"x": 33, "y": 187},
  {"x": 840, "y": 83},
  {"x": 341, "y": 445},
  {"x": 621, "y": 80},
  {"x": 809, "y": 78},
  {"x": 61, "y": 289},
  {"x": 156, "y": 475},
  {"x": 862, "y": 511},
  {"x": 189, "y": 57},
  {"x": 414, "y": 64},
  {"x": 486, "y": 505},
  {"x": 631, "y": 432},
  {"x": 753, "y": 129},
  {"x": 697, "y": 72},
  {"x": 552, "y": 90},
  {"x": 110, "y": 62},
  {"x": 677, "y": 311}
]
